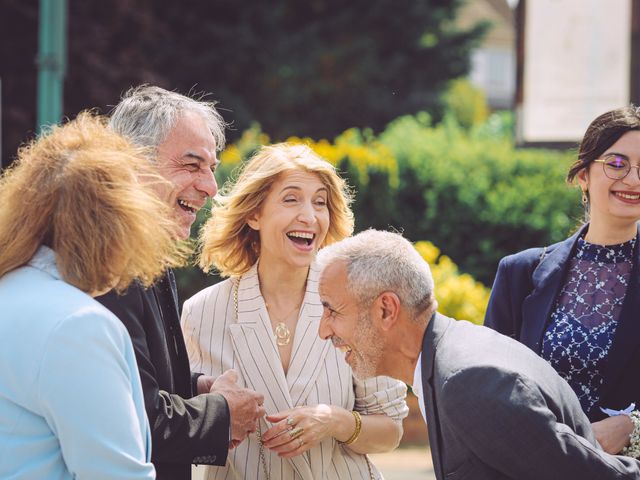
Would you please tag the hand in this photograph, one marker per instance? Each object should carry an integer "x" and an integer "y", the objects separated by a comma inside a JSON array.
[
  {"x": 205, "y": 382},
  {"x": 613, "y": 433},
  {"x": 245, "y": 406},
  {"x": 298, "y": 429}
]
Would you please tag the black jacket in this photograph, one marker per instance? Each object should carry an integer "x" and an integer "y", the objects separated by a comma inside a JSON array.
[{"x": 185, "y": 429}]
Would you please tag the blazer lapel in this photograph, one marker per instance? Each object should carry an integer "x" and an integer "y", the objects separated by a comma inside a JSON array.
[
  {"x": 309, "y": 350},
  {"x": 429, "y": 345},
  {"x": 255, "y": 348},
  {"x": 547, "y": 280},
  {"x": 257, "y": 354},
  {"x": 627, "y": 337},
  {"x": 174, "y": 291}
]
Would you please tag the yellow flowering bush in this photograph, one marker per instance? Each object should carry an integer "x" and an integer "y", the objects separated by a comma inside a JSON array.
[
  {"x": 469, "y": 190},
  {"x": 362, "y": 154},
  {"x": 249, "y": 142},
  {"x": 352, "y": 148},
  {"x": 459, "y": 295}
]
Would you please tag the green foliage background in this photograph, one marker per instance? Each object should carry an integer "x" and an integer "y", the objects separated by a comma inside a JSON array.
[
  {"x": 467, "y": 191},
  {"x": 312, "y": 68},
  {"x": 473, "y": 194}
]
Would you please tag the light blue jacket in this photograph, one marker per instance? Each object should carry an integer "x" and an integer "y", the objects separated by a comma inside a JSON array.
[{"x": 71, "y": 404}]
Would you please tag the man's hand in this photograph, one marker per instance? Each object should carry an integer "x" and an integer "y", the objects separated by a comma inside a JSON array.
[{"x": 245, "y": 406}]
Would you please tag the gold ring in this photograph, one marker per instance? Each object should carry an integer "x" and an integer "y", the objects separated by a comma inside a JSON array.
[
  {"x": 296, "y": 432},
  {"x": 290, "y": 421}
]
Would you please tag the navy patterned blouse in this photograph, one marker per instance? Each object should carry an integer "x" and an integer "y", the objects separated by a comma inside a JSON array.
[{"x": 585, "y": 317}]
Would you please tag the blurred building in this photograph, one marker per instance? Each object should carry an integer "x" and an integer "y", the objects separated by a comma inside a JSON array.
[
  {"x": 493, "y": 64},
  {"x": 576, "y": 59}
]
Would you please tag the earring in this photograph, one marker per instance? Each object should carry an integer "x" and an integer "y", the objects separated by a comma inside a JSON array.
[{"x": 585, "y": 204}]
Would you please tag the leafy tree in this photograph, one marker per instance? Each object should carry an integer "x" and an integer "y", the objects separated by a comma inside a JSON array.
[
  {"x": 308, "y": 68},
  {"x": 18, "y": 49}
]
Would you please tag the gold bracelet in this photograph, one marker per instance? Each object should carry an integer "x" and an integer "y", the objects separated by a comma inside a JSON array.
[{"x": 356, "y": 432}]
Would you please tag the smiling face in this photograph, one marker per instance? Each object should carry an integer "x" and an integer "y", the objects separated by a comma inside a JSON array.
[
  {"x": 293, "y": 220},
  {"x": 187, "y": 159},
  {"x": 350, "y": 329},
  {"x": 614, "y": 204}
]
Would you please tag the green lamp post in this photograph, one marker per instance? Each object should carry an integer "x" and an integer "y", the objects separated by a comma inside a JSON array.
[{"x": 51, "y": 61}]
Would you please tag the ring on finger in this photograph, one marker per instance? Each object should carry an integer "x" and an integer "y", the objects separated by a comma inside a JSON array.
[
  {"x": 300, "y": 442},
  {"x": 290, "y": 421},
  {"x": 296, "y": 432}
]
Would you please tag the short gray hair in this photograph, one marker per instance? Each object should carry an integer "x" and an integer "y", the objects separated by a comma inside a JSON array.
[
  {"x": 377, "y": 262},
  {"x": 146, "y": 114}
]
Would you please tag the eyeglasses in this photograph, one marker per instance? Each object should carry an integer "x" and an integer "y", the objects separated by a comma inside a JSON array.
[{"x": 616, "y": 167}]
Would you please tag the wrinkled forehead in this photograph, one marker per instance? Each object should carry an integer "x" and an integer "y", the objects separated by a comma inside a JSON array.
[{"x": 189, "y": 136}]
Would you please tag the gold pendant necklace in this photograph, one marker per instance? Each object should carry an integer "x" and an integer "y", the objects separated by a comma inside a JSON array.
[{"x": 282, "y": 334}]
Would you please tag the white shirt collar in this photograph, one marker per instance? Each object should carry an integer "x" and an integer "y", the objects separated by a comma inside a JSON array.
[
  {"x": 45, "y": 259},
  {"x": 417, "y": 387}
]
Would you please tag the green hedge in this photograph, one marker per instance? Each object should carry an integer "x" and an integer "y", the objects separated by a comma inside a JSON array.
[
  {"x": 474, "y": 195},
  {"x": 469, "y": 191}
]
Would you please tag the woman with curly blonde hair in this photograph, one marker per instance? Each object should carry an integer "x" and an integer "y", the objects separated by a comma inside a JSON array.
[
  {"x": 263, "y": 321},
  {"x": 78, "y": 217}
]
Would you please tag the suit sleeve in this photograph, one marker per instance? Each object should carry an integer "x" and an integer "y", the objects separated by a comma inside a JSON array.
[
  {"x": 507, "y": 423},
  {"x": 194, "y": 430},
  {"x": 499, "y": 315}
]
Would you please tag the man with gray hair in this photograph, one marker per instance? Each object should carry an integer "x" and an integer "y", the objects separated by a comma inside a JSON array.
[
  {"x": 193, "y": 418},
  {"x": 495, "y": 410}
]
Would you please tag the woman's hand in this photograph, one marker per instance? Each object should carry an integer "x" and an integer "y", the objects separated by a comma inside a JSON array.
[
  {"x": 299, "y": 429},
  {"x": 613, "y": 433}
]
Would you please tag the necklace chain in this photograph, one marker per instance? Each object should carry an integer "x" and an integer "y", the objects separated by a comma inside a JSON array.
[
  {"x": 261, "y": 454},
  {"x": 281, "y": 331},
  {"x": 283, "y": 318}
]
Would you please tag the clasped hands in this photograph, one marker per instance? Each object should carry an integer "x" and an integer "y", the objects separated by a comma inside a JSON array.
[
  {"x": 293, "y": 432},
  {"x": 298, "y": 429}
]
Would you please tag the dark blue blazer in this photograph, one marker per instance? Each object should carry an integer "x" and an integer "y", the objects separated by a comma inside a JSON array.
[{"x": 524, "y": 292}]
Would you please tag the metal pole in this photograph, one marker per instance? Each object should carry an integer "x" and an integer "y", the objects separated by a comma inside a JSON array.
[
  {"x": 1, "y": 165},
  {"x": 51, "y": 61}
]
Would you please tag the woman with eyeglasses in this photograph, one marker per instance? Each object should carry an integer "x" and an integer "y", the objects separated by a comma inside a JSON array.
[{"x": 577, "y": 303}]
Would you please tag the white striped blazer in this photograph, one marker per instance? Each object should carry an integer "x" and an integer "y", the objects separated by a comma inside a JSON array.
[{"x": 318, "y": 373}]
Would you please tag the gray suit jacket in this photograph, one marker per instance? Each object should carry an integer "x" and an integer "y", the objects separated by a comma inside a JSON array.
[{"x": 497, "y": 411}]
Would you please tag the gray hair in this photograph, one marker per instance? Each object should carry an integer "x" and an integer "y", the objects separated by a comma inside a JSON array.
[
  {"x": 377, "y": 262},
  {"x": 146, "y": 114}
]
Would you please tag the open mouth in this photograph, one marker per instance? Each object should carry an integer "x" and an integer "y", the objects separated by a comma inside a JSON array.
[
  {"x": 346, "y": 349},
  {"x": 343, "y": 347},
  {"x": 187, "y": 207},
  {"x": 302, "y": 238}
]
